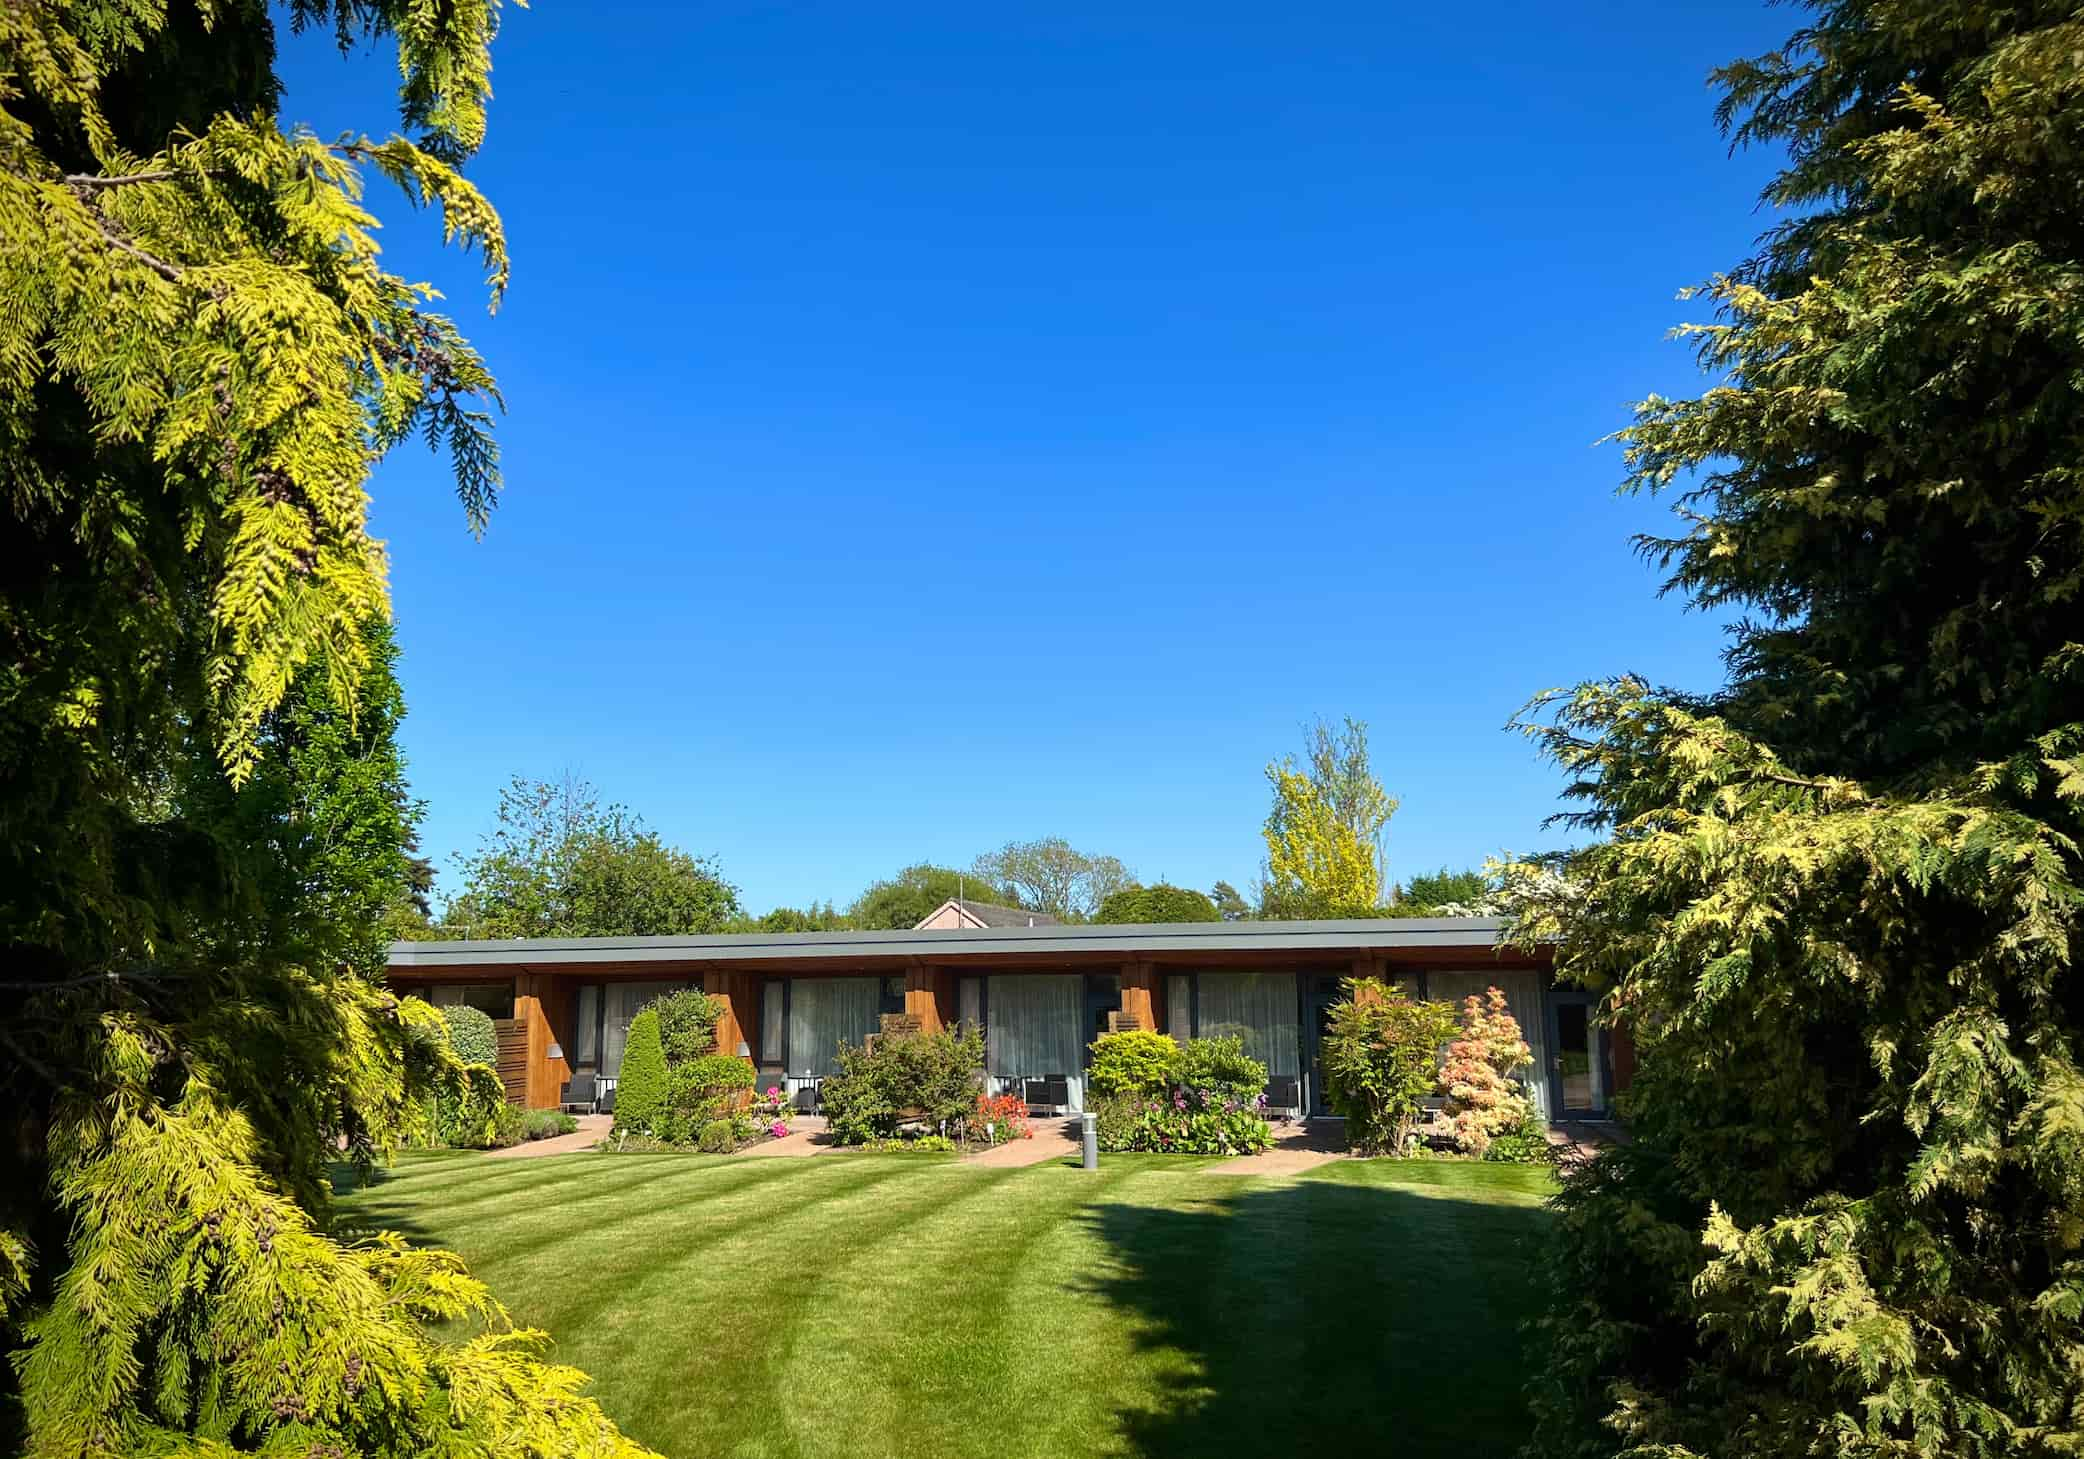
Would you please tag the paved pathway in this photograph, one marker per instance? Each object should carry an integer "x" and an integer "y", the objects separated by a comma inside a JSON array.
[
  {"x": 1301, "y": 1146},
  {"x": 592, "y": 1129},
  {"x": 1052, "y": 1140},
  {"x": 806, "y": 1137}
]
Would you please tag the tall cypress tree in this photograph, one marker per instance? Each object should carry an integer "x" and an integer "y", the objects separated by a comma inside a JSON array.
[
  {"x": 200, "y": 810},
  {"x": 1838, "y": 901}
]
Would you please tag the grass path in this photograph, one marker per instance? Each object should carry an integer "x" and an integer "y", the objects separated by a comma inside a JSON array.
[{"x": 864, "y": 1306}]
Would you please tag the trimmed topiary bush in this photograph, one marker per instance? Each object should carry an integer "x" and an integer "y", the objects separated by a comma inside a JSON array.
[
  {"x": 472, "y": 1035},
  {"x": 687, "y": 1024},
  {"x": 640, "y": 1085},
  {"x": 1161, "y": 903},
  {"x": 718, "y": 1137},
  {"x": 1136, "y": 1061},
  {"x": 715, "y": 1086}
]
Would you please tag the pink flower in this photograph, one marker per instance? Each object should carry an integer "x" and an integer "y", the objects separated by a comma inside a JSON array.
[{"x": 777, "y": 1129}]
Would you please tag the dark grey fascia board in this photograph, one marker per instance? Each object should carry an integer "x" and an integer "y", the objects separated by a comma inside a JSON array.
[{"x": 1115, "y": 939}]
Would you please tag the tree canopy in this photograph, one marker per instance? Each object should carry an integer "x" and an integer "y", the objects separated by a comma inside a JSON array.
[
  {"x": 1837, "y": 902},
  {"x": 1160, "y": 903},
  {"x": 201, "y": 809},
  {"x": 561, "y": 864},
  {"x": 1445, "y": 892},
  {"x": 1051, "y": 875},
  {"x": 900, "y": 901},
  {"x": 1324, "y": 830}
]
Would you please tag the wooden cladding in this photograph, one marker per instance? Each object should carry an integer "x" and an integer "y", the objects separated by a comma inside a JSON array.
[
  {"x": 1120, "y": 1022},
  {"x": 512, "y": 1062}
]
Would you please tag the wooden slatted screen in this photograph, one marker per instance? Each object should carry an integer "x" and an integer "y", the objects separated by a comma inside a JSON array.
[{"x": 512, "y": 1064}]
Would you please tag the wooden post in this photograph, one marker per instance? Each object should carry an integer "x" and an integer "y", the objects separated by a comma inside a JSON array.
[
  {"x": 930, "y": 997},
  {"x": 537, "y": 1010},
  {"x": 738, "y": 1020},
  {"x": 1140, "y": 996},
  {"x": 1367, "y": 967}
]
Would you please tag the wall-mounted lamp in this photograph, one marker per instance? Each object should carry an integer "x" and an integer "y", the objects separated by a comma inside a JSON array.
[
  {"x": 555, "y": 1051},
  {"x": 745, "y": 1050}
]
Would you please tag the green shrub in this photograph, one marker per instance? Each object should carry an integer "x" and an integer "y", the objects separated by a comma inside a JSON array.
[
  {"x": 469, "y": 1119},
  {"x": 1220, "y": 1070},
  {"x": 1525, "y": 1144},
  {"x": 1175, "y": 1123},
  {"x": 1381, "y": 1059},
  {"x": 472, "y": 1035},
  {"x": 717, "y": 1137},
  {"x": 687, "y": 1025},
  {"x": 640, "y": 1084},
  {"x": 916, "y": 1145},
  {"x": 709, "y": 1088},
  {"x": 1136, "y": 1061},
  {"x": 1161, "y": 903},
  {"x": 885, "y": 1082},
  {"x": 544, "y": 1124}
]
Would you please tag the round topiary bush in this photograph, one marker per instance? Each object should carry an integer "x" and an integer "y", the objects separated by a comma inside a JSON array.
[
  {"x": 1161, "y": 903},
  {"x": 472, "y": 1035},
  {"x": 717, "y": 1138}
]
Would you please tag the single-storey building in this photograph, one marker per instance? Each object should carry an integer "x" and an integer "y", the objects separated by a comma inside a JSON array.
[{"x": 1042, "y": 993}]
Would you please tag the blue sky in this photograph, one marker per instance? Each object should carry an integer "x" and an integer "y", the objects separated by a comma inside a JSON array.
[{"x": 933, "y": 424}]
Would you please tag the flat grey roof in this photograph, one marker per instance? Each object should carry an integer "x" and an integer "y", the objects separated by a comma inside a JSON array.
[{"x": 1360, "y": 935}]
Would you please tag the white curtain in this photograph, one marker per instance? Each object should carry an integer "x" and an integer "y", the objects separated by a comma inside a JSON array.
[
  {"x": 1179, "y": 1006},
  {"x": 1033, "y": 1029},
  {"x": 1259, "y": 1007},
  {"x": 621, "y": 1002},
  {"x": 1522, "y": 990},
  {"x": 823, "y": 1014}
]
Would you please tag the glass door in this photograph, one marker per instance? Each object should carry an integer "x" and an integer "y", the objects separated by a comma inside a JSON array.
[
  {"x": 1320, "y": 1000},
  {"x": 1579, "y": 1079}
]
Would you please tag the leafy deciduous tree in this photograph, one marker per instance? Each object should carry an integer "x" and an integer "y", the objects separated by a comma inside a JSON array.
[
  {"x": 1160, "y": 903},
  {"x": 903, "y": 900},
  {"x": 560, "y": 864},
  {"x": 1323, "y": 833},
  {"x": 1051, "y": 875}
]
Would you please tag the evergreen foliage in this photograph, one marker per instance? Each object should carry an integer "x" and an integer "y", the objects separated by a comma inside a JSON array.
[
  {"x": 1134, "y": 1061},
  {"x": 202, "y": 813},
  {"x": 1838, "y": 904},
  {"x": 1445, "y": 893},
  {"x": 472, "y": 1035},
  {"x": 901, "y": 902},
  {"x": 687, "y": 1024},
  {"x": 889, "y": 1080},
  {"x": 640, "y": 1084},
  {"x": 1160, "y": 903}
]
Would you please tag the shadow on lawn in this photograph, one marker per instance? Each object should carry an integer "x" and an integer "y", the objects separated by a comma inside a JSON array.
[{"x": 1327, "y": 1318}]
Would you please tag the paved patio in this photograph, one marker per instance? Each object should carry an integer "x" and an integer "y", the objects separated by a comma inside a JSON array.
[
  {"x": 592, "y": 1130},
  {"x": 1052, "y": 1140}
]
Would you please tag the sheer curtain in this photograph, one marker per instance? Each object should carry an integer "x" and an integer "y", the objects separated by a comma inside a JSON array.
[
  {"x": 824, "y": 1013},
  {"x": 1033, "y": 1029},
  {"x": 621, "y": 1002},
  {"x": 1262, "y": 1009},
  {"x": 1522, "y": 990}
]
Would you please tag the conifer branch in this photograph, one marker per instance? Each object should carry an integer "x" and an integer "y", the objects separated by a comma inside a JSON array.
[{"x": 123, "y": 179}]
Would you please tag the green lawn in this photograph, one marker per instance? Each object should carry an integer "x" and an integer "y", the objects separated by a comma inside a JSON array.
[{"x": 896, "y": 1305}]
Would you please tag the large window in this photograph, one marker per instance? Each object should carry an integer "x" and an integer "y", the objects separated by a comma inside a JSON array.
[
  {"x": 1035, "y": 1027},
  {"x": 773, "y": 1000},
  {"x": 1261, "y": 1009},
  {"x": 825, "y": 1013},
  {"x": 586, "y": 1047},
  {"x": 969, "y": 1001},
  {"x": 1179, "y": 1005},
  {"x": 496, "y": 1000}
]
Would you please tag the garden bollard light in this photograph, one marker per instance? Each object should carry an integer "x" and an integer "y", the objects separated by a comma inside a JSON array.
[{"x": 1092, "y": 1141}]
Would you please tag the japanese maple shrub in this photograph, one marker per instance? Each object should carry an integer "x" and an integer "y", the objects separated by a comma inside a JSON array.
[
  {"x": 1381, "y": 1058},
  {"x": 1484, "y": 1099}
]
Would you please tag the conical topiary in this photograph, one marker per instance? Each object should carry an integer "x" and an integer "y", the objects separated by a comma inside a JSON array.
[{"x": 640, "y": 1085}]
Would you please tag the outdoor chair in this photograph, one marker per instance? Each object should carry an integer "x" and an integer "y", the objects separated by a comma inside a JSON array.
[
  {"x": 1284, "y": 1091},
  {"x": 1051, "y": 1091},
  {"x": 579, "y": 1094}
]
